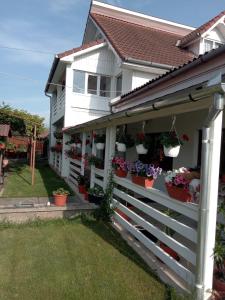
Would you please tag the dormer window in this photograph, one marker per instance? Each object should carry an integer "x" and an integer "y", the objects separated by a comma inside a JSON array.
[{"x": 209, "y": 45}]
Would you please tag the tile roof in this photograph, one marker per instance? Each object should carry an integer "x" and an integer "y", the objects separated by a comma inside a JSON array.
[
  {"x": 200, "y": 30},
  {"x": 83, "y": 47},
  {"x": 4, "y": 130},
  {"x": 142, "y": 43}
]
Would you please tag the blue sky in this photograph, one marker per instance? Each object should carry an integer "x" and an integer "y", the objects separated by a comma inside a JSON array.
[{"x": 57, "y": 25}]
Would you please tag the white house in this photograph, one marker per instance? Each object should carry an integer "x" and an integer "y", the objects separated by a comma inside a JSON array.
[{"x": 138, "y": 73}]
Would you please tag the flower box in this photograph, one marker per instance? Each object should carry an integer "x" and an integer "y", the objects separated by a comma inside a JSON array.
[
  {"x": 143, "y": 181},
  {"x": 178, "y": 193},
  {"x": 120, "y": 173}
]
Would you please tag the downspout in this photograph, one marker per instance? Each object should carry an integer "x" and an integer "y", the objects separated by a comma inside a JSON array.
[
  {"x": 50, "y": 127},
  {"x": 206, "y": 163}
]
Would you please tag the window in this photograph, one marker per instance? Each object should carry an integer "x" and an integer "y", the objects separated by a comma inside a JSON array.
[
  {"x": 105, "y": 86},
  {"x": 79, "y": 82},
  {"x": 92, "y": 84},
  {"x": 119, "y": 85},
  {"x": 209, "y": 45}
]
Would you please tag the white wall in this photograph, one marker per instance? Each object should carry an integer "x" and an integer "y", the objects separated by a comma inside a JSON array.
[
  {"x": 215, "y": 35},
  {"x": 140, "y": 78}
]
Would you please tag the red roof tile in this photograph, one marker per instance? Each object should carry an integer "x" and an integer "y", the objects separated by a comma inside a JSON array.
[
  {"x": 4, "y": 130},
  {"x": 142, "y": 43},
  {"x": 200, "y": 30},
  {"x": 83, "y": 47}
]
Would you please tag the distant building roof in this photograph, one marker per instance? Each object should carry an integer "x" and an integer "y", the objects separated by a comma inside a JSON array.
[
  {"x": 5, "y": 130},
  {"x": 200, "y": 30}
]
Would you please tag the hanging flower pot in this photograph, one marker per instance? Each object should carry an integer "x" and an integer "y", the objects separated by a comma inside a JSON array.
[
  {"x": 100, "y": 146},
  {"x": 141, "y": 149},
  {"x": 121, "y": 147},
  {"x": 143, "y": 181},
  {"x": 2, "y": 146},
  {"x": 120, "y": 173},
  {"x": 171, "y": 151}
]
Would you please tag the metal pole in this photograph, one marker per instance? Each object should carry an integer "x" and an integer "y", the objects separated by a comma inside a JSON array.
[{"x": 33, "y": 155}]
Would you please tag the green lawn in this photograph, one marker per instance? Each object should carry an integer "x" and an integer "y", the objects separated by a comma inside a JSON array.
[
  {"x": 18, "y": 181},
  {"x": 74, "y": 259}
]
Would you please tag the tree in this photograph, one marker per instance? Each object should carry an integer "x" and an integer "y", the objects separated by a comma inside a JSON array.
[{"x": 20, "y": 120}]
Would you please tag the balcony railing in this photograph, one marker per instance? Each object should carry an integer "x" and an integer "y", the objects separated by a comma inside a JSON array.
[{"x": 59, "y": 106}]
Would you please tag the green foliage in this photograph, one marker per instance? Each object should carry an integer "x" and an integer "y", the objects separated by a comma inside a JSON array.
[
  {"x": 80, "y": 180},
  {"x": 20, "y": 120},
  {"x": 100, "y": 138},
  {"x": 125, "y": 139},
  {"x": 95, "y": 161},
  {"x": 96, "y": 191},
  {"x": 170, "y": 139},
  {"x": 61, "y": 191},
  {"x": 105, "y": 210}
]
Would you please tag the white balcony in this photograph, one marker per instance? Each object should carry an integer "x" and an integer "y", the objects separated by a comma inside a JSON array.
[{"x": 58, "y": 107}]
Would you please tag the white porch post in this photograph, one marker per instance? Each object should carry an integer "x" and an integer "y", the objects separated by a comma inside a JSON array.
[
  {"x": 83, "y": 150},
  {"x": 109, "y": 151},
  {"x": 93, "y": 152},
  {"x": 210, "y": 164}
]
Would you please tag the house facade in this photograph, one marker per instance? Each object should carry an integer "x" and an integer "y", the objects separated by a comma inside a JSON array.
[{"x": 135, "y": 73}]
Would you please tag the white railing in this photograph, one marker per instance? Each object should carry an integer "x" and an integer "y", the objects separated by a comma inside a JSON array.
[
  {"x": 149, "y": 212},
  {"x": 98, "y": 176},
  {"x": 74, "y": 171},
  {"x": 58, "y": 162}
]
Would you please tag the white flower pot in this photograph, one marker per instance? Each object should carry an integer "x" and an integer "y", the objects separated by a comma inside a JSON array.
[
  {"x": 171, "y": 151},
  {"x": 100, "y": 146},
  {"x": 141, "y": 149},
  {"x": 121, "y": 147}
]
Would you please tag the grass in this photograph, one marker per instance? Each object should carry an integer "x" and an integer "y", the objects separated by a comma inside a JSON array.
[
  {"x": 18, "y": 182},
  {"x": 72, "y": 260}
]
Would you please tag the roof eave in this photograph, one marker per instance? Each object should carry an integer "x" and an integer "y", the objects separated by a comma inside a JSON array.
[{"x": 52, "y": 72}]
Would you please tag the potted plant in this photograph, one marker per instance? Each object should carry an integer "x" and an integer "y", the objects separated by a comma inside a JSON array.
[
  {"x": 60, "y": 196},
  {"x": 172, "y": 143},
  {"x": 124, "y": 141},
  {"x": 100, "y": 141},
  {"x": 96, "y": 161},
  {"x": 77, "y": 142},
  {"x": 58, "y": 135},
  {"x": 58, "y": 147},
  {"x": 177, "y": 184},
  {"x": 142, "y": 143},
  {"x": 144, "y": 174},
  {"x": 120, "y": 166},
  {"x": 2, "y": 145},
  {"x": 87, "y": 186},
  {"x": 95, "y": 194},
  {"x": 81, "y": 184}
]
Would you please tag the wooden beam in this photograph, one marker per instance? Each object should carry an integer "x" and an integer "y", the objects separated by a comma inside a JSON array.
[{"x": 33, "y": 155}]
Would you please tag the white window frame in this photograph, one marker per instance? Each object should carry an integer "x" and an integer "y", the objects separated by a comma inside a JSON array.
[{"x": 214, "y": 43}]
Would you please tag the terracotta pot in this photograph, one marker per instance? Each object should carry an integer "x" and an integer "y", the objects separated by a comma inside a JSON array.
[
  {"x": 171, "y": 151},
  {"x": 121, "y": 147},
  {"x": 169, "y": 251},
  {"x": 218, "y": 284},
  {"x": 178, "y": 193},
  {"x": 5, "y": 162},
  {"x": 141, "y": 149},
  {"x": 60, "y": 200},
  {"x": 143, "y": 181},
  {"x": 122, "y": 214},
  {"x": 81, "y": 189},
  {"x": 86, "y": 195},
  {"x": 100, "y": 146},
  {"x": 120, "y": 173},
  {"x": 2, "y": 146}
]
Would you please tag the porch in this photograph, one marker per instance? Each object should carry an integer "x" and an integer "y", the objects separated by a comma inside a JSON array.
[{"x": 168, "y": 228}]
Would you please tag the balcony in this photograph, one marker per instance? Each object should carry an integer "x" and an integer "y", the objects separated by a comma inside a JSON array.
[{"x": 58, "y": 107}]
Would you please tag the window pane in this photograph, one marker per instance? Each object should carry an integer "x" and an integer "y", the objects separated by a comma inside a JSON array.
[
  {"x": 208, "y": 45},
  {"x": 105, "y": 85},
  {"x": 79, "y": 82},
  {"x": 217, "y": 45},
  {"x": 92, "y": 84},
  {"x": 119, "y": 85}
]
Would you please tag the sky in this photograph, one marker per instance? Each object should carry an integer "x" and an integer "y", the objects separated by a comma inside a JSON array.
[{"x": 53, "y": 26}]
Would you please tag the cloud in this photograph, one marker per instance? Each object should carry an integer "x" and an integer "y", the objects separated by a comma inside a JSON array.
[{"x": 62, "y": 5}]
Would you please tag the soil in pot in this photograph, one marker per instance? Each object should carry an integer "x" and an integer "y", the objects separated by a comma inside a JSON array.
[
  {"x": 60, "y": 200},
  {"x": 143, "y": 181}
]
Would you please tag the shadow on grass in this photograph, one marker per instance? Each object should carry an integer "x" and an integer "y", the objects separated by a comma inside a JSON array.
[{"x": 111, "y": 236}]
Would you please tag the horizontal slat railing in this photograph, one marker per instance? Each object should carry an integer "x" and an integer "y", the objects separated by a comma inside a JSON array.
[
  {"x": 162, "y": 236},
  {"x": 177, "y": 226},
  {"x": 187, "y": 209},
  {"x": 153, "y": 217},
  {"x": 179, "y": 269},
  {"x": 74, "y": 170}
]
